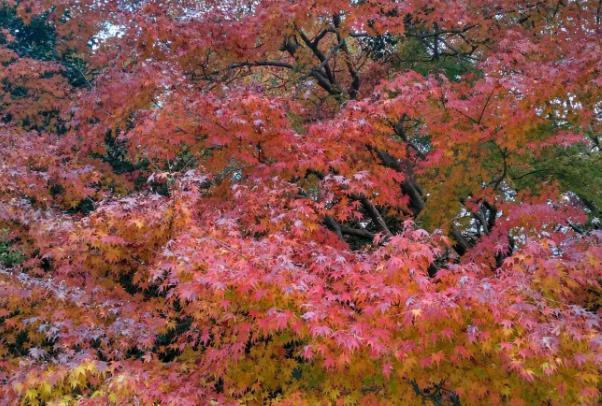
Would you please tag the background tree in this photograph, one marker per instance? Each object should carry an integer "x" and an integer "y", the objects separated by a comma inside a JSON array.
[{"x": 297, "y": 202}]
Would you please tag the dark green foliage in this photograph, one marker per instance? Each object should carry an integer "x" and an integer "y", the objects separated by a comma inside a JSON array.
[
  {"x": 85, "y": 207},
  {"x": 116, "y": 155},
  {"x": 38, "y": 40},
  {"x": 9, "y": 257},
  {"x": 380, "y": 47},
  {"x": 163, "y": 341},
  {"x": 184, "y": 160},
  {"x": 577, "y": 169},
  {"x": 413, "y": 54}
]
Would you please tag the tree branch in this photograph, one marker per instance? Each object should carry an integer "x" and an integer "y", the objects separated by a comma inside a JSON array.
[
  {"x": 334, "y": 226},
  {"x": 319, "y": 54},
  {"x": 374, "y": 213},
  {"x": 409, "y": 185},
  {"x": 355, "y": 79},
  {"x": 358, "y": 232},
  {"x": 278, "y": 64},
  {"x": 462, "y": 244}
]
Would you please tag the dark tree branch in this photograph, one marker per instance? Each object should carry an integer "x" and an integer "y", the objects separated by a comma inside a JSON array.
[
  {"x": 484, "y": 107},
  {"x": 324, "y": 83},
  {"x": 334, "y": 226},
  {"x": 358, "y": 232},
  {"x": 321, "y": 35},
  {"x": 497, "y": 182},
  {"x": 409, "y": 186},
  {"x": 341, "y": 229},
  {"x": 277, "y": 64},
  {"x": 355, "y": 79},
  {"x": 492, "y": 214},
  {"x": 462, "y": 244},
  {"x": 400, "y": 131},
  {"x": 319, "y": 54},
  {"x": 479, "y": 215},
  {"x": 374, "y": 213},
  {"x": 529, "y": 174}
]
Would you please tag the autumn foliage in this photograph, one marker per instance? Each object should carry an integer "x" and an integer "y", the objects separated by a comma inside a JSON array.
[{"x": 300, "y": 202}]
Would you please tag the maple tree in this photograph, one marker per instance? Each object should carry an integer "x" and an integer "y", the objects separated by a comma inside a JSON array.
[{"x": 350, "y": 202}]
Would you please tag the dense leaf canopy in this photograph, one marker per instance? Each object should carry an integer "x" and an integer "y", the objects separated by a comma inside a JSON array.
[{"x": 300, "y": 202}]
